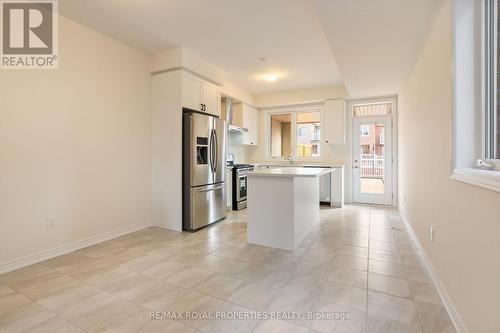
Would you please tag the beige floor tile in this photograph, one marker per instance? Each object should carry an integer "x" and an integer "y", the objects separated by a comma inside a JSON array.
[
  {"x": 389, "y": 285},
  {"x": 316, "y": 270},
  {"x": 26, "y": 277},
  {"x": 6, "y": 290},
  {"x": 323, "y": 256},
  {"x": 82, "y": 267},
  {"x": 24, "y": 319},
  {"x": 296, "y": 302},
  {"x": 46, "y": 288},
  {"x": 417, "y": 273},
  {"x": 342, "y": 320},
  {"x": 253, "y": 296},
  {"x": 343, "y": 295},
  {"x": 145, "y": 271},
  {"x": 103, "y": 279},
  {"x": 226, "y": 323},
  {"x": 413, "y": 260},
  {"x": 274, "y": 278},
  {"x": 392, "y": 308},
  {"x": 425, "y": 292},
  {"x": 166, "y": 326},
  {"x": 13, "y": 302},
  {"x": 190, "y": 276},
  {"x": 435, "y": 319},
  {"x": 62, "y": 299},
  {"x": 163, "y": 269},
  {"x": 219, "y": 286},
  {"x": 349, "y": 261},
  {"x": 55, "y": 325},
  {"x": 379, "y": 324},
  {"x": 279, "y": 326},
  {"x": 141, "y": 263},
  {"x": 153, "y": 295},
  {"x": 104, "y": 312},
  {"x": 385, "y": 256},
  {"x": 386, "y": 268},
  {"x": 384, "y": 246},
  {"x": 276, "y": 261},
  {"x": 349, "y": 276},
  {"x": 195, "y": 303},
  {"x": 353, "y": 250}
]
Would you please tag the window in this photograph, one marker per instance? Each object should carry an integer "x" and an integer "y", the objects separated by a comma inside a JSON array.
[
  {"x": 365, "y": 130},
  {"x": 308, "y": 134},
  {"x": 296, "y": 134},
  {"x": 492, "y": 75},
  {"x": 281, "y": 140},
  {"x": 476, "y": 137}
]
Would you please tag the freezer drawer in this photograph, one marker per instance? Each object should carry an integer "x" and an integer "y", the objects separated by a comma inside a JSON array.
[{"x": 207, "y": 205}]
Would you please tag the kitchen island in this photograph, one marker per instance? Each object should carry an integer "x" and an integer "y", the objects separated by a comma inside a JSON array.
[{"x": 283, "y": 205}]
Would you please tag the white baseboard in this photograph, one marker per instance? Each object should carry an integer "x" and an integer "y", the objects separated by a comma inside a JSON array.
[
  {"x": 34, "y": 258},
  {"x": 447, "y": 302}
]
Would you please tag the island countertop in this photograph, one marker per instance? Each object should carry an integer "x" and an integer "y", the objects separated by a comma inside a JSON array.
[{"x": 289, "y": 172}]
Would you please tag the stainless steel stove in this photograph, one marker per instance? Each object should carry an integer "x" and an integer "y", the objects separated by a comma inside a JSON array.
[{"x": 240, "y": 185}]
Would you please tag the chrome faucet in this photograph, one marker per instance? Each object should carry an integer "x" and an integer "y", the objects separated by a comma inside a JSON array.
[{"x": 289, "y": 159}]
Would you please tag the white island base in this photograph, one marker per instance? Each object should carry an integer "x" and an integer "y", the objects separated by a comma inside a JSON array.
[{"x": 283, "y": 206}]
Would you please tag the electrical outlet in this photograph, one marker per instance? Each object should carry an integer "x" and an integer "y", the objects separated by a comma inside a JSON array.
[
  {"x": 51, "y": 223},
  {"x": 432, "y": 233},
  {"x": 404, "y": 198}
]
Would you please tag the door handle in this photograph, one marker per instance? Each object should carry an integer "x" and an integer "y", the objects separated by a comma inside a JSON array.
[
  {"x": 355, "y": 167},
  {"x": 216, "y": 150},
  {"x": 211, "y": 189},
  {"x": 212, "y": 150}
]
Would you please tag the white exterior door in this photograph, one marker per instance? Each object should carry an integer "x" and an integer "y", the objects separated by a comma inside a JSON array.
[{"x": 372, "y": 160}]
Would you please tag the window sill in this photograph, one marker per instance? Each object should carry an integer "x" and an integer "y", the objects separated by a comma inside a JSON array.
[{"x": 488, "y": 179}]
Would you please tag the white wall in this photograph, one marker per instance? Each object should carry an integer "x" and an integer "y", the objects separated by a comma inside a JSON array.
[
  {"x": 167, "y": 150},
  {"x": 75, "y": 144},
  {"x": 466, "y": 219}
]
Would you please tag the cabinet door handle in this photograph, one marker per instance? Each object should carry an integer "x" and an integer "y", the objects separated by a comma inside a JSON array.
[{"x": 201, "y": 107}]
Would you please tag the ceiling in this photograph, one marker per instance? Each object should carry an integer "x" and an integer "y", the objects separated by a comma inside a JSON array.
[{"x": 375, "y": 43}]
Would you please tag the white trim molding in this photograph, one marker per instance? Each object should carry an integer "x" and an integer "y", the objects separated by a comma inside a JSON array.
[
  {"x": 443, "y": 294},
  {"x": 488, "y": 179},
  {"x": 37, "y": 257}
]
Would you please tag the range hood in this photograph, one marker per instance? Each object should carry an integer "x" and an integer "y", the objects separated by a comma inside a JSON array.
[{"x": 229, "y": 118}]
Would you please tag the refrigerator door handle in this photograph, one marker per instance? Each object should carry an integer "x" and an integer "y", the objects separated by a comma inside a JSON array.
[
  {"x": 211, "y": 149},
  {"x": 216, "y": 150}
]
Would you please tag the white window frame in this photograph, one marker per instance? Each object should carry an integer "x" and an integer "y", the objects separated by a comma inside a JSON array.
[
  {"x": 294, "y": 110},
  {"x": 469, "y": 96}
]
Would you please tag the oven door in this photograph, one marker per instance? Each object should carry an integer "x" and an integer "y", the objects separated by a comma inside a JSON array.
[{"x": 241, "y": 187}]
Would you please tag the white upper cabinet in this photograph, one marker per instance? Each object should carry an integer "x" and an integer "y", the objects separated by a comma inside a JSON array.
[
  {"x": 210, "y": 98},
  {"x": 250, "y": 120},
  {"x": 200, "y": 95},
  {"x": 333, "y": 122}
]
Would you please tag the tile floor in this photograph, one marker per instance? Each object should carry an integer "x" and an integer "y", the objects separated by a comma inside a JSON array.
[{"x": 358, "y": 262}]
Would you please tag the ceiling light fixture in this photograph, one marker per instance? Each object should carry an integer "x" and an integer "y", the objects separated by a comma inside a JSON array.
[{"x": 271, "y": 77}]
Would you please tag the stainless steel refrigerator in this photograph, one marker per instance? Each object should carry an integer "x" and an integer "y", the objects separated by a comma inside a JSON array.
[{"x": 204, "y": 170}]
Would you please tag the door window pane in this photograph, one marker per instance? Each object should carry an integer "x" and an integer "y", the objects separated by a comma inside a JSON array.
[
  {"x": 372, "y": 154},
  {"x": 308, "y": 134},
  {"x": 281, "y": 135}
]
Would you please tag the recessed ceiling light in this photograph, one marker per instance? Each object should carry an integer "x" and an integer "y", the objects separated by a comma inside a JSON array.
[{"x": 271, "y": 77}]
